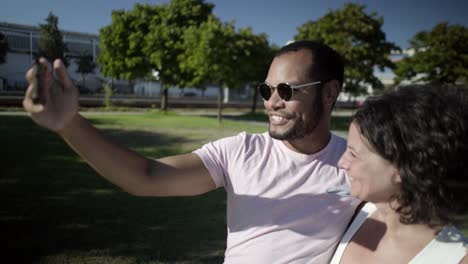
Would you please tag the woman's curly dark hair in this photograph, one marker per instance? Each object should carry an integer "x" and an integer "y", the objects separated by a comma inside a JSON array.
[{"x": 423, "y": 132}]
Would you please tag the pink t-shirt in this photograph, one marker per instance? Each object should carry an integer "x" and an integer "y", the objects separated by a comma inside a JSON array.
[{"x": 278, "y": 208}]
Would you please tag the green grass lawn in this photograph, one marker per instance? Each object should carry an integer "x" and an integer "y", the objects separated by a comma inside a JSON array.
[{"x": 56, "y": 209}]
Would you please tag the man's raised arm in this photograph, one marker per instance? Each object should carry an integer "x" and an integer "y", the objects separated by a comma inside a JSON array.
[{"x": 57, "y": 110}]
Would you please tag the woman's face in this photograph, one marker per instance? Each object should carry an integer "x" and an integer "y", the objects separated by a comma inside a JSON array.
[{"x": 372, "y": 178}]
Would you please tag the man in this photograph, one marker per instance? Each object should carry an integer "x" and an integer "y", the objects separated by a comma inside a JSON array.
[{"x": 278, "y": 208}]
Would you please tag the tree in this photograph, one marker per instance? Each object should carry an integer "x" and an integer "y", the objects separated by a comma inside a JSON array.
[
  {"x": 51, "y": 45},
  {"x": 121, "y": 43},
  {"x": 216, "y": 53},
  {"x": 441, "y": 56},
  {"x": 359, "y": 38},
  {"x": 86, "y": 65},
  {"x": 164, "y": 43},
  {"x": 149, "y": 38},
  {"x": 211, "y": 56},
  {"x": 255, "y": 55},
  {"x": 3, "y": 48}
]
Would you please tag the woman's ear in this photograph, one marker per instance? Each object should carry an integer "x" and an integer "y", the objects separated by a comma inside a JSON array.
[{"x": 396, "y": 177}]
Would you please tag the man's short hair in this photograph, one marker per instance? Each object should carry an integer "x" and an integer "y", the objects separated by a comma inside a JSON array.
[{"x": 327, "y": 64}]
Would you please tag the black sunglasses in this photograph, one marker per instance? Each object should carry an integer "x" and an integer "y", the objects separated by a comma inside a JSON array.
[{"x": 285, "y": 90}]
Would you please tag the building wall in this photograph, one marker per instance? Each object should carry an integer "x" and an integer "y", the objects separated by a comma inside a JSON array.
[
  {"x": 23, "y": 43},
  {"x": 14, "y": 69}
]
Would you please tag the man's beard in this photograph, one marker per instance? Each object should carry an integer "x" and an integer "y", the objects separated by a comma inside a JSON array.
[{"x": 301, "y": 128}]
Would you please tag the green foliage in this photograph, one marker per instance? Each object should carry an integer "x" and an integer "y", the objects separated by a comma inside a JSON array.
[
  {"x": 164, "y": 43},
  {"x": 359, "y": 38},
  {"x": 51, "y": 45},
  {"x": 255, "y": 56},
  {"x": 185, "y": 44},
  {"x": 210, "y": 53},
  {"x": 216, "y": 53},
  {"x": 441, "y": 56},
  {"x": 3, "y": 48},
  {"x": 121, "y": 43},
  {"x": 150, "y": 38}
]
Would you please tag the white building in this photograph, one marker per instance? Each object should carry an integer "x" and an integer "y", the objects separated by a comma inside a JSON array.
[{"x": 23, "y": 43}]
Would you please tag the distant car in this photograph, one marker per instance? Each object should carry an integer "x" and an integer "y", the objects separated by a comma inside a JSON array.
[
  {"x": 358, "y": 104},
  {"x": 190, "y": 94},
  {"x": 84, "y": 90}
]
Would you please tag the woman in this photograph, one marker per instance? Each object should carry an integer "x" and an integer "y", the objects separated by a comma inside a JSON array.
[{"x": 407, "y": 157}]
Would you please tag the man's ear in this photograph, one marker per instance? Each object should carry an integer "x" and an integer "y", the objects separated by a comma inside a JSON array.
[{"x": 330, "y": 92}]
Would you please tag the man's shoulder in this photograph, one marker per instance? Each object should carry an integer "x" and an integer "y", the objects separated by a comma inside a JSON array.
[
  {"x": 338, "y": 141},
  {"x": 257, "y": 141},
  {"x": 254, "y": 137},
  {"x": 242, "y": 140},
  {"x": 335, "y": 148}
]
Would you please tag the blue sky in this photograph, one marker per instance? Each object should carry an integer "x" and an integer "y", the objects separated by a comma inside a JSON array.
[{"x": 279, "y": 19}]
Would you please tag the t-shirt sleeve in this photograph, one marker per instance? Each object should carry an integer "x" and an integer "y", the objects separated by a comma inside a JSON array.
[{"x": 219, "y": 155}]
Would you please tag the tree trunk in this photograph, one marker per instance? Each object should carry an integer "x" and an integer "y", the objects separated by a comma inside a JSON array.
[
  {"x": 164, "y": 98},
  {"x": 83, "y": 77},
  {"x": 254, "y": 101},
  {"x": 220, "y": 104}
]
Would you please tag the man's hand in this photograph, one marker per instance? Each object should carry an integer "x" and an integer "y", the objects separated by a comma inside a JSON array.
[{"x": 58, "y": 103}]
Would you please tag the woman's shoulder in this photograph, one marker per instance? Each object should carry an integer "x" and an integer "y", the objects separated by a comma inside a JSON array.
[
  {"x": 363, "y": 212},
  {"x": 449, "y": 246}
]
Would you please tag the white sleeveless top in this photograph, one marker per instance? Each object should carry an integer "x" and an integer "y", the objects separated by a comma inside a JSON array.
[{"x": 448, "y": 247}]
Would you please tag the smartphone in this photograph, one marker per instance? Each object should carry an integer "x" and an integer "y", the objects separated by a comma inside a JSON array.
[{"x": 37, "y": 69}]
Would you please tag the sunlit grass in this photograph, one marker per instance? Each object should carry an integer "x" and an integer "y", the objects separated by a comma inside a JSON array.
[{"x": 56, "y": 209}]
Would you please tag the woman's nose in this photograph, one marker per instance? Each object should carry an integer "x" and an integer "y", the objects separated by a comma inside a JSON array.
[{"x": 343, "y": 162}]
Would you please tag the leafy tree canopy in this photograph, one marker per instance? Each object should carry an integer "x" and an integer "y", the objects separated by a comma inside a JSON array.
[
  {"x": 359, "y": 38},
  {"x": 51, "y": 45},
  {"x": 216, "y": 53},
  {"x": 122, "y": 41},
  {"x": 441, "y": 56},
  {"x": 149, "y": 38},
  {"x": 164, "y": 43},
  {"x": 210, "y": 53},
  {"x": 255, "y": 56}
]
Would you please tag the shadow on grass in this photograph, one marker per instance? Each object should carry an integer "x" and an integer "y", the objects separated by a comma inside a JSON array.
[{"x": 53, "y": 203}]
